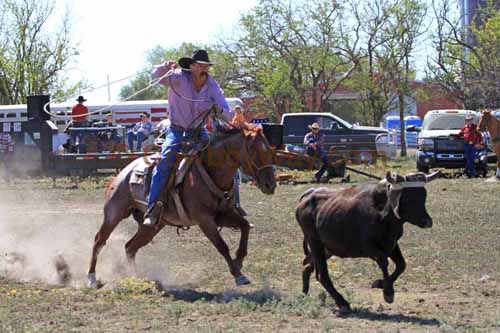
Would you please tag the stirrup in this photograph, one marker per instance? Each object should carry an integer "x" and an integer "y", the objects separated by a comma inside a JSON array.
[{"x": 153, "y": 214}]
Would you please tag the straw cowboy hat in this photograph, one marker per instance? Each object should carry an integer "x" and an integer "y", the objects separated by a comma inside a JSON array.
[
  {"x": 199, "y": 56},
  {"x": 469, "y": 116},
  {"x": 314, "y": 126}
]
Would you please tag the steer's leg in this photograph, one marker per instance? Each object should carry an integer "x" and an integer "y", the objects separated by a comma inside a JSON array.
[
  {"x": 321, "y": 267},
  {"x": 308, "y": 268},
  {"x": 387, "y": 284},
  {"x": 399, "y": 261}
]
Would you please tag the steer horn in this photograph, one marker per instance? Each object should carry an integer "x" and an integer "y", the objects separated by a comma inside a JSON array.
[
  {"x": 432, "y": 176},
  {"x": 394, "y": 178}
]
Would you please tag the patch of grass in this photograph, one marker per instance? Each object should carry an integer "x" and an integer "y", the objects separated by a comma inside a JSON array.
[{"x": 440, "y": 289}]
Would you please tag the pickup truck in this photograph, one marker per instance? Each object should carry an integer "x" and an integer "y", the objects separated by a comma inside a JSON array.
[
  {"x": 436, "y": 145},
  {"x": 343, "y": 137}
]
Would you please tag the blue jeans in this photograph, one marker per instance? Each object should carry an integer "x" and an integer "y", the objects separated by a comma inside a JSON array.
[
  {"x": 171, "y": 146},
  {"x": 324, "y": 160},
  {"x": 139, "y": 136},
  {"x": 470, "y": 155}
]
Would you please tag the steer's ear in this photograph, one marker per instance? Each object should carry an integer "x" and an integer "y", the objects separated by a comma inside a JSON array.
[{"x": 432, "y": 176}]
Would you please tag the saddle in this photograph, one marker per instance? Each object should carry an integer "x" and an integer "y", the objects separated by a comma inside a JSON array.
[{"x": 141, "y": 176}]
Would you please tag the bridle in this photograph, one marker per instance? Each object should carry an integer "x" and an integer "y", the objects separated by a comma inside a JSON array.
[
  {"x": 250, "y": 164},
  {"x": 484, "y": 121}
]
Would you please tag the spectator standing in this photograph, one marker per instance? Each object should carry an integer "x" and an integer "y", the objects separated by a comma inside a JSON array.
[
  {"x": 139, "y": 132},
  {"x": 79, "y": 113},
  {"x": 6, "y": 154},
  {"x": 314, "y": 141},
  {"x": 473, "y": 140},
  {"x": 79, "y": 118}
]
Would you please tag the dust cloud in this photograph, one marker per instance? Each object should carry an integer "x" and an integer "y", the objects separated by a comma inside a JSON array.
[
  {"x": 46, "y": 238},
  {"x": 47, "y": 234}
]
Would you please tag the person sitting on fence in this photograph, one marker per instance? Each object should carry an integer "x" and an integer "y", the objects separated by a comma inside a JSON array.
[
  {"x": 314, "y": 147},
  {"x": 139, "y": 132},
  {"x": 473, "y": 140}
]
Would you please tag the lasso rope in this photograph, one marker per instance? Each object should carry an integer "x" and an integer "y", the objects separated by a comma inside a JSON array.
[{"x": 151, "y": 84}]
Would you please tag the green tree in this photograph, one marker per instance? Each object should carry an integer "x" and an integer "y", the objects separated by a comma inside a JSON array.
[
  {"x": 33, "y": 59},
  {"x": 158, "y": 55},
  {"x": 467, "y": 60},
  {"x": 285, "y": 50}
]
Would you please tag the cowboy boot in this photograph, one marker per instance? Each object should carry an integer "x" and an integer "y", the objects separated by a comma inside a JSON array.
[{"x": 153, "y": 214}]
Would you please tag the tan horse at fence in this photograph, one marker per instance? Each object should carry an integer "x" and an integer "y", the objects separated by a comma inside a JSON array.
[
  {"x": 207, "y": 202},
  {"x": 492, "y": 124}
]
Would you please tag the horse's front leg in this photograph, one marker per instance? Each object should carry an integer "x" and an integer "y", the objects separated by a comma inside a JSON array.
[
  {"x": 232, "y": 219},
  {"x": 209, "y": 228}
]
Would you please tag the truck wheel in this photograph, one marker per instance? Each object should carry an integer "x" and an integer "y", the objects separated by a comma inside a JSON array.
[{"x": 422, "y": 168}]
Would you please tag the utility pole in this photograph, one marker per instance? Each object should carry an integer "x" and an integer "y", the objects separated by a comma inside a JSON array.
[{"x": 109, "y": 89}]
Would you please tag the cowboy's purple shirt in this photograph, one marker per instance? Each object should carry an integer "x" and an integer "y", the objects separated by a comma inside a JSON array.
[{"x": 184, "y": 112}]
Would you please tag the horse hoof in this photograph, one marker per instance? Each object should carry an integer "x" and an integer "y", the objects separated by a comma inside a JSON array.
[
  {"x": 344, "y": 310},
  {"x": 389, "y": 298},
  {"x": 378, "y": 284},
  {"x": 92, "y": 280},
  {"x": 242, "y": 280}
]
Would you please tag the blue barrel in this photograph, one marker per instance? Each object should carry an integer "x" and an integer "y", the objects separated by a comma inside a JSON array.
[
  {"x": 411, "y": 137},
  {"x": 392, "y": 122}
]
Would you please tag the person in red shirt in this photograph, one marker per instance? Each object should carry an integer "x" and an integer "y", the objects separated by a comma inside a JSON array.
[
  {"x": 79, "y": 117},
  {"x": 79, "y": 113},
  {"x": 473, "y": 140}
]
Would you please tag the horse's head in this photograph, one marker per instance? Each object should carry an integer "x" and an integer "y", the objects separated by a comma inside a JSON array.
[
  {"x": 484, "y": 119},
  {"x": 259, "y": 161}
]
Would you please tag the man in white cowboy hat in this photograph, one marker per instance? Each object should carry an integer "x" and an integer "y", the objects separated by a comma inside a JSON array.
[
  {"x": 314, "y": 141},
  {"x": 473, "y": 140},
  {"x": 192, "y": 92}
]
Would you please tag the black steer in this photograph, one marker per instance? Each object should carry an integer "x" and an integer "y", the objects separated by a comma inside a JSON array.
[{"x": 361, "y": 222}]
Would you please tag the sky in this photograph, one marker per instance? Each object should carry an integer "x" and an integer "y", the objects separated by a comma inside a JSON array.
[{"x": 113, "y": 36}]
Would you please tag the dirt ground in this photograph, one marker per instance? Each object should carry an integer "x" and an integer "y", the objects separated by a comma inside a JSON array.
[{"x": 452, "y": 280}]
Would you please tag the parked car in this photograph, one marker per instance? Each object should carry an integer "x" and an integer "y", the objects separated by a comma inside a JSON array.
[
  {"x": 435, "y": 145},
  {"x": 346, "y": 138}
]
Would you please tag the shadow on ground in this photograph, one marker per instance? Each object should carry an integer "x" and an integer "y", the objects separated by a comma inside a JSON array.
[
  {"x": 363, "y": 313},
  {"x": 260, "y": 297}
]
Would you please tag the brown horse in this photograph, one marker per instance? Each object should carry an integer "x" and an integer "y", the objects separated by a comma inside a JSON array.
[
  {"x": 205, "y": 193},
  {"x": 492, "y": 123}
]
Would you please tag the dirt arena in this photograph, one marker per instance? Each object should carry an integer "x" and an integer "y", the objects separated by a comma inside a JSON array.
[{"x": 452, "y": 281}]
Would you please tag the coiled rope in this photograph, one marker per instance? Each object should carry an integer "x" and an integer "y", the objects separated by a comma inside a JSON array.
[{"x": 151, "y": 84}]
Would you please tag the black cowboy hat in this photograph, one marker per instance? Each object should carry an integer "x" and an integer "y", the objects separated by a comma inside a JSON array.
[
  {"x": 199, "y": 56},
  {"x": 81, "y": 99}
]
